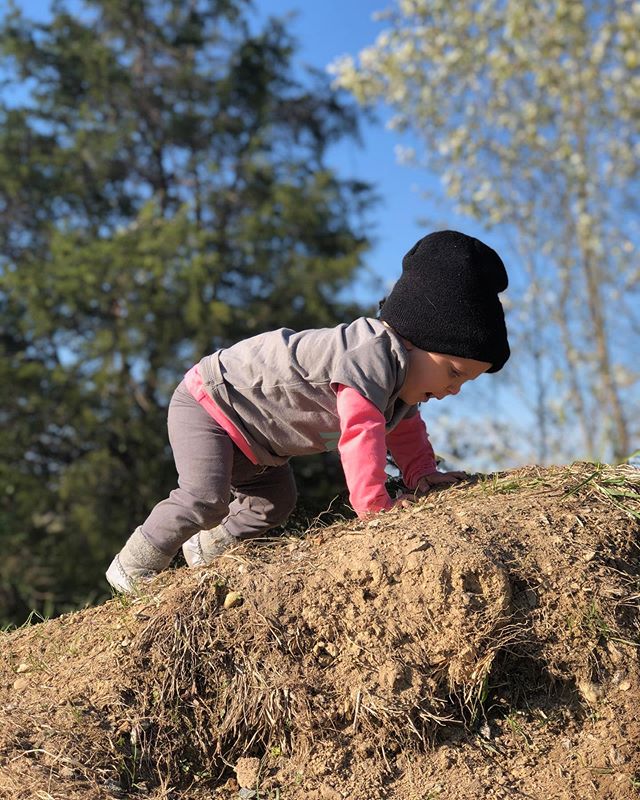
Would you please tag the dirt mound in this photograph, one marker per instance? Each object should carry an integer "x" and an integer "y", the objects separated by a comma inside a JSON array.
[{"x": 483, "y": 643}]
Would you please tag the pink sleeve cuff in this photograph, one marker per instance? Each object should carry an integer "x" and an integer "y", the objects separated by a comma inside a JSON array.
[
  {"x": 411, "y": 449},
  {"x": 363, "y": 452}
]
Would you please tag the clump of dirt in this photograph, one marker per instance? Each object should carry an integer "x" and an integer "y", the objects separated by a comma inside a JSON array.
[{"x": 483, "y": 643}]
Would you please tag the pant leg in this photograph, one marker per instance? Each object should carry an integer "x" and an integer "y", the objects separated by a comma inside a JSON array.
[
  {"x": 204, "y": 455},
  {"x": 264, "y": 497}
]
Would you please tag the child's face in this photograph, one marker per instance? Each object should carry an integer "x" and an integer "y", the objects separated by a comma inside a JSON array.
[{"x": 437, "y": 375}]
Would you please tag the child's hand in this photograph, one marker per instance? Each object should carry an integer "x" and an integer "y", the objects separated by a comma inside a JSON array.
[{"x": 427, "y": 482}]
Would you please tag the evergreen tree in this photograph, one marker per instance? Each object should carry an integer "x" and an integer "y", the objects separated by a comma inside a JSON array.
[{"x": 163, "y": 193}]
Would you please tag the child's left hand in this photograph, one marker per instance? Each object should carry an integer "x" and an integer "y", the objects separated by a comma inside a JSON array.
[
  {"x": 428, "y": 482},
  {"x": 434, "y": 479}
]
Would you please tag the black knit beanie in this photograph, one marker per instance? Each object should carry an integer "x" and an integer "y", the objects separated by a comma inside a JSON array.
[{"x": 446, "y": 300}]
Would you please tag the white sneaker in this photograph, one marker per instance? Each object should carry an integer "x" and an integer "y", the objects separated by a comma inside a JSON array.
[
  {"x": 204, "y": 546},
  {"x": 139, "y": 560},
  {"x": 125, "y": 582}
]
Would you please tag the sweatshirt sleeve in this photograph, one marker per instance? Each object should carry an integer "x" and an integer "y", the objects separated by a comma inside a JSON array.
[
  {"x": 363, "y": 451},
  {"x": 411, "y": 449}
]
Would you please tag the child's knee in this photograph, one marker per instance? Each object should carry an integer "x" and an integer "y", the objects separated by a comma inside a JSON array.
[{"x": 285, "y": 504}]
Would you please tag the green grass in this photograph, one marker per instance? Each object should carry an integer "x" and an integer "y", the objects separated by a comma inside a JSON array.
[
  {"x": 495, "y": 483},
  {"x": 621, "y": 489},
  {"x": 517, "y": 729},
  {"x": 595, "y": 623},
  {"x": 9, "y": 627}
]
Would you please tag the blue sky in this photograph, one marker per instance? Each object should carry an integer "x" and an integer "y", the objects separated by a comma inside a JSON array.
[{"x": 326, "y": 30}]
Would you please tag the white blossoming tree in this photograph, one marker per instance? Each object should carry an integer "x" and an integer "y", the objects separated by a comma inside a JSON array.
[{"x": 529, "y": 111}]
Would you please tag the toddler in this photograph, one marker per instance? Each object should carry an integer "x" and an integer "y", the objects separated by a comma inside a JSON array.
[{"x": 240, "y": 414}]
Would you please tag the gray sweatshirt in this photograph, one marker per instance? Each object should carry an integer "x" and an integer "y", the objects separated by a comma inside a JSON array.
[{"x": 279, "y": 388}]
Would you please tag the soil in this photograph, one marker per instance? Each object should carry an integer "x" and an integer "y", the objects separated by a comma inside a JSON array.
[{"x": 482, "y": 643}]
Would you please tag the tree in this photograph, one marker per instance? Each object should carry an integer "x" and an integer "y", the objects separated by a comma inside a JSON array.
[
  {"x": 529, "y": 111},
  {"x": 163, "y": 192}
]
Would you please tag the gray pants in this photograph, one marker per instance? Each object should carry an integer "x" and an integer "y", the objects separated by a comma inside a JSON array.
[{"x": 211, "y": 469}]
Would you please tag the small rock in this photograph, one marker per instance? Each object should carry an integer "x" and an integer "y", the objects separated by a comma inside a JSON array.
[
  {"x": 247, "y": 772},
  {"x": 616, "y": 655},
  {"x": 624, "y": 685},
  {"x": 590, "y": 691},
  {"x": 20, "y": 684},
  {"x": 233, "y": 599},
  {"x": 588, "y": 555},
  {"x": 616, "y": 757},
  {"x": 618, "y": 676},
  {"x": 113, "y": 788},
  {"x": 22, "y": 668},
  {"x": 327, "y": 793},
  {"x": 67, "y": 772}
]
